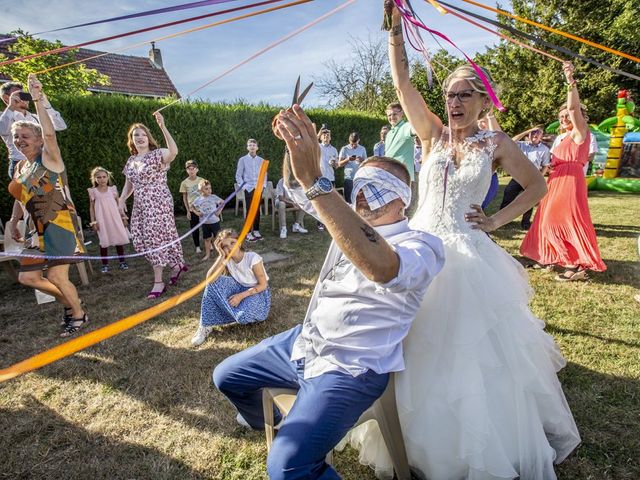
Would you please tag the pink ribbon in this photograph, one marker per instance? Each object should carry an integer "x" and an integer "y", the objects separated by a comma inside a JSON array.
[{"x": 410, "y": 16}]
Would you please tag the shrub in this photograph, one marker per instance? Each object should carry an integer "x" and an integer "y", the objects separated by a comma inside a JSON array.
[{"x": 214, "y": 135}]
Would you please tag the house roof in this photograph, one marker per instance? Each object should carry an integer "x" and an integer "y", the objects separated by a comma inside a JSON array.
[{"x": 128, "y": 74}]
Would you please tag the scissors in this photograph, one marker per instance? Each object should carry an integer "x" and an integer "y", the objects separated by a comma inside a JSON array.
[
  {"x": 297, "y": 99},
  {"x": 289, "y": 180}
]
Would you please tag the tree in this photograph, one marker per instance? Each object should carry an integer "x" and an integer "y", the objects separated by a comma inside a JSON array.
[
  {"x": 72, "y": 80},
  {"x": 359, "y": 83},
  {"x": 364, "y": 82},
  {"x": 533, "y": 86}
]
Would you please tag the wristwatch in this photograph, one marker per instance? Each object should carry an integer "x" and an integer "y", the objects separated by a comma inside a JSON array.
[{"x": 321, "y": 186}]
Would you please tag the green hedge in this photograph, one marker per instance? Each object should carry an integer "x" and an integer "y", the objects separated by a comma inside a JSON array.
[{"x": 212, "y": 134}]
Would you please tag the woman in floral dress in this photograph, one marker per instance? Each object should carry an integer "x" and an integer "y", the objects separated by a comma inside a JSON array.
[{"x": 152, "y": 225}]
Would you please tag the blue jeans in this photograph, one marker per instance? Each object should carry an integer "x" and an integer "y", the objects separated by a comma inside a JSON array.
[{"x": 326, "y": 408}]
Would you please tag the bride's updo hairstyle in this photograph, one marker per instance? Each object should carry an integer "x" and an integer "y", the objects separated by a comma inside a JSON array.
[{"x": 468, "y": 73}]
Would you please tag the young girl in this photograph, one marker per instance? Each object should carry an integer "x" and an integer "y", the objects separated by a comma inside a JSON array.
[
  {"x": 105, "y": 216},
  {"x": 243, "y": 296},
  {"x": 206, "y": 207}
]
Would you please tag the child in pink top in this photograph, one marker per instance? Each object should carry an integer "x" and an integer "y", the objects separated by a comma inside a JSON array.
[{"x": 105, "y": 216}]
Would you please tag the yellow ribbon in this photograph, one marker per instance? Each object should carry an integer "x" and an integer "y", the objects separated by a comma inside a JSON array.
[
  {"x": 438, "y": 7},
  {"x": 80, "y": 343}
]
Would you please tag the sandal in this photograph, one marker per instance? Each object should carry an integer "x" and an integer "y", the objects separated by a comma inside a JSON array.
[
  {"x": 572, "y": 275},
  {"x": 153, "y": 294},
  {"x": 174, "y": 278},
  {"x": 67, "y": 316},
  {"x": 73, "y": 325}
]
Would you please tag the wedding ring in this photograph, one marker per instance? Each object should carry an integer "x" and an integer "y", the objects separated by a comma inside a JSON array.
[{"x": 297, "y": 137}]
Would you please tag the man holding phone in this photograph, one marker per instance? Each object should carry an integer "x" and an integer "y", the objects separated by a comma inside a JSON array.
[
  {"x": 17, "y": 102},
  {"x": 351, "y": 156}
]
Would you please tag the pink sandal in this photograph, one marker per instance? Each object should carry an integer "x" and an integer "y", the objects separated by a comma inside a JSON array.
[
  {"x": 174, "y": 279},
  {"x": 153, "y": 294}
]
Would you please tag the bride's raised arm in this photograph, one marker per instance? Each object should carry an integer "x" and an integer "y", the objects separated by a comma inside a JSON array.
[{"x": 425, "y": 123}]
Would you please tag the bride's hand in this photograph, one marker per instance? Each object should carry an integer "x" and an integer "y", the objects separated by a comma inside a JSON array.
[{"x": 479, "y": 219}]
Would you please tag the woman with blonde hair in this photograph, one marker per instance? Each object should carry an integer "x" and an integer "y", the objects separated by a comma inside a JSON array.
[
  {"x": 562, "y": 232},
  {"x": 152, "y": 224},
  {"x": 40, "y": 187},
  {"x": 242, "y": 296},
  {"x": 479, "y": 397}
]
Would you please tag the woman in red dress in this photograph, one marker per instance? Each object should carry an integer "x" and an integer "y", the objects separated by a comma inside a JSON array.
[{"x": 562, "y": 232}]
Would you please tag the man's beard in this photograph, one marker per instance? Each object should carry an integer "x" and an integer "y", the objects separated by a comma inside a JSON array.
[{"x": 365, "y": 211}]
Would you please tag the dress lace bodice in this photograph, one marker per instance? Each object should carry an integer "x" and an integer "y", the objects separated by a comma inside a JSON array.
[{"x": 446, "y": 191}]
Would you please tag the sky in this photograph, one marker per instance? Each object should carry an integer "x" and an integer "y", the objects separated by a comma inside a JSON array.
[{"x": 193, "y": 59}]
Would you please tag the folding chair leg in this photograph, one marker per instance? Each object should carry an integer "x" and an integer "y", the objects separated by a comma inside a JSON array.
[
  {"x": 389, "y": 423},
  {"x": 267, "y": 411}
]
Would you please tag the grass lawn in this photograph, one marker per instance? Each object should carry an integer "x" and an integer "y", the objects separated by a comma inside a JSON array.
[{"x": 142, "y": 405}]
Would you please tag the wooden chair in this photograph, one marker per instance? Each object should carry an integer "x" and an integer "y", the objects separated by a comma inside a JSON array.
[
  {"x": 383, "y": 410},
  {"x": 9, "y": 245},
  {"x": 82, "y": 269}
]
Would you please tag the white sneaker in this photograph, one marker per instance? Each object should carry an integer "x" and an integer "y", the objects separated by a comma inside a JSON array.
[
  {"x": 250, "y": 237},
  {"x": 283, "y": 232},
  {"x": 298, "y": 228},
  {"x": 256, "y": 235},
  {"x": 201, "y": 335},
  {"x": 198, "y": 250},
  {"x": 242, "y": 422}
]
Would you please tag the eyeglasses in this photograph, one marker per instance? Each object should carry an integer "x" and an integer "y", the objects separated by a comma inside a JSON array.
[{"x": 463, "y": 95}]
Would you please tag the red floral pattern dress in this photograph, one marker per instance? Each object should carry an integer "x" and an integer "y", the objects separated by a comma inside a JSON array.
[{"x": 153, "y": 223}]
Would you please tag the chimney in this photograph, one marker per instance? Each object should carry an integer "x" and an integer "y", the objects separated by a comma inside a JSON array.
[{"x": 155, "y": 56}]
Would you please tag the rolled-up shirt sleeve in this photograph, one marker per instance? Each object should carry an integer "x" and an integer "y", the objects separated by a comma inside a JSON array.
[
  {"x": 420, "y": 261},
  {"x": 57, "y": 120}
]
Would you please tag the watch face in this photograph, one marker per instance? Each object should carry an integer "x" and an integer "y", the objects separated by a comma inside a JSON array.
[{"x": 324, "y": 184}]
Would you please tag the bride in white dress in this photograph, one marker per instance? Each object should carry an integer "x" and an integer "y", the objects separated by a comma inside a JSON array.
[{"x": 479, "y": 398}]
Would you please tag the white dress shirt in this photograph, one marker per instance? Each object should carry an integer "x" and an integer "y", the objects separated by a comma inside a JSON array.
[
  {"x": 9, "y": 117},
  {"x": 248, "y": 171},
  {"x": 353, "y": 324},
  {"x": 328, "y": 153},
  {"x": 538, "y": 154}
]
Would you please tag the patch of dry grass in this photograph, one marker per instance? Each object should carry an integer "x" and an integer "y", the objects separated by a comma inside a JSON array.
[{"x": 142, "y": 405}]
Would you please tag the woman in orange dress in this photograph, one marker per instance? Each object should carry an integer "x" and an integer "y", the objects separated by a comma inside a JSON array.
[{"x": 562, "y": 232}]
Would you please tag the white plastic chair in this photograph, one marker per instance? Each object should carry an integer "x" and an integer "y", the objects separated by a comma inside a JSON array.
[
  {"x": 383, "y": 410},
  {"x": 240, "y": 198}
]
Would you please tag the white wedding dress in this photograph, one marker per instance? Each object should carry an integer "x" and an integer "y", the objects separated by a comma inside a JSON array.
[{"x": 479, "y": 398}]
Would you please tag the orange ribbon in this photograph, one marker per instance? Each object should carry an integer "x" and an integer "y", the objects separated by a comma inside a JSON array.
[
  {"x": 80, "y": 343},
  {"x": 554, "y": 30}
]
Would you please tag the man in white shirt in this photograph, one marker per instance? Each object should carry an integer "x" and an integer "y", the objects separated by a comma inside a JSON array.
[
  {"x": 350, "y": 157},
  {"x": 282, "y": 202},
  {"x": 328, "y": 160},
  {"x": 247, "y": 171},
  {"x": 17, "y": 109},
  {"x": 368, "y": 292},
  {"x": 538, "y": 154}
]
